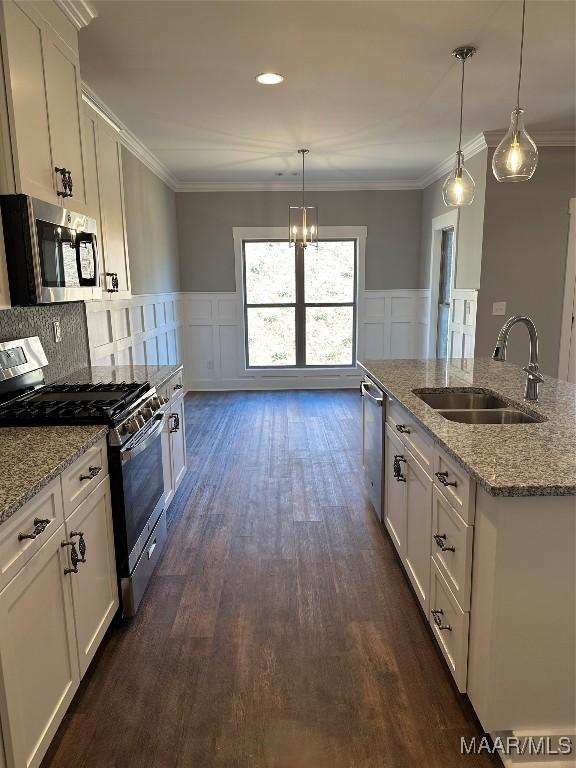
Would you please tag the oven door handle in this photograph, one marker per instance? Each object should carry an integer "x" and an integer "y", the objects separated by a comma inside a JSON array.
[{"x": 129, "y": 453}]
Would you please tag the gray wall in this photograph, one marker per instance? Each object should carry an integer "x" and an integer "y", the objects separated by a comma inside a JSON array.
[
  {"x": 524, "y": 255},
  {"x": 469, "y": 227},
  {"x": 205, "y": 221},
  {"x": 67, "y": 356},
  {"x": 152, "y": 230}
]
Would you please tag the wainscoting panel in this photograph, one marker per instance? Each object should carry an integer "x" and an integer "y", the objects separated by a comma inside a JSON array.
[
  {"x": 140, "y": 330},
  {"x": 391, "y": 324},
  {"x": 462, "y": 327}
]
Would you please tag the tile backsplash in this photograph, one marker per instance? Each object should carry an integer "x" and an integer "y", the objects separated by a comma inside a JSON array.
[{"x": 71, "y": 353}]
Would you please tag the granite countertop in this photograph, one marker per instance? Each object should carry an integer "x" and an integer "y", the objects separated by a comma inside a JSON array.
[
  {"x": 536, "y": 459},
  {"x": 155, "y": 375},
  {"x": 30, "y": 457}
]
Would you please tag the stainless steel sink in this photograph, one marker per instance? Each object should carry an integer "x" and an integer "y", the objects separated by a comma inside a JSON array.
[
  {"x": 461, "y": 400},
  {"x": 504, "y": 416}
]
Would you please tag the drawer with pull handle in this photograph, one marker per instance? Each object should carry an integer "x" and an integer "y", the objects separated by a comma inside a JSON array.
[
  {"x": 22, "y": 535},
  {"x": 84, "y": 475},
  {"x": 450, "y": 626},
  {"x": 452, "y": 542},
  {"x": 455, "y": 485},
  {"x": 414, "y": 437}
]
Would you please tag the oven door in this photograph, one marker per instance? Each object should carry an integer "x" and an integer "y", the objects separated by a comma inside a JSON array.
[{"x": 143, "y": 486}]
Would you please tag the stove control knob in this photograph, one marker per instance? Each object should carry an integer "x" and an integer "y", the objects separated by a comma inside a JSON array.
[
  {"x": 146, "y": 412},
  {"x": 140, "y": 420},
  {"x": 133, "y": 426},
  {"x": 154, "y": 403}
]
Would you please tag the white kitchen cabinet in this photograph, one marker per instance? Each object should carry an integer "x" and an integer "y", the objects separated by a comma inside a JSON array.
[
  {"x": 395, "y": 489},
  {"x": 94, "y": 587},
  {"x": 114, "y": 250},
  {"x": 38, "y": 657},
  {"x": 42, "y": 86},
  {"x": 417, "y": 548},
  {"x": 174, "y": 444}
]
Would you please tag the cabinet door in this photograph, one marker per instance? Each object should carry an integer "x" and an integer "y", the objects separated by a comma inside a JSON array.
[
  {"x": 38, "y": 659},
  {"x": 62, "y": 73},
  {"x": 90, "y": 134},
  {"x": 23, "y": 59},
  {"x": 178, "y": 441},
  {"x": 418, "y": 529},
  {"x": 94, "y": 587},
  {"x": 395, "y": 491},
  {"x": 167, "y": 463},
  {"x": 114, "y": 243}
]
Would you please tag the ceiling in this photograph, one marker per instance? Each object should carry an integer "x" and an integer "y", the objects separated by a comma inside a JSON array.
[{"x": 370, "y": 86}]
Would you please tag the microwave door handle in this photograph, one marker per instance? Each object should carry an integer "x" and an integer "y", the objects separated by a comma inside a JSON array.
[{"x": 131, "y": 452}]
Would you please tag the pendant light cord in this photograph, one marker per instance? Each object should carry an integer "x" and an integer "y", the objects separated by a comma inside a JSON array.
[
  {"x": 521, "y": 54},
  {"x": 461, "y": 106}
]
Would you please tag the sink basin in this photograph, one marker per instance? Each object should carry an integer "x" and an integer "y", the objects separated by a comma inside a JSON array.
[
  {"x": 504, "y": 416},
  {"x": 461, "y": 400}
]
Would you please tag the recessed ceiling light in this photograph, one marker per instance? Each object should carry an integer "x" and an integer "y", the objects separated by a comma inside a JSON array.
[{"x": 269, "y": 78}]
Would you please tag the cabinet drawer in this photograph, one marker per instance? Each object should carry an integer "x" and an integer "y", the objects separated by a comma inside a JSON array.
[
  {"x": 455, "y": 485},
  {"x": 40, "y": 517},
  {"x": 176, "y": 385},
  {"x": 450, "y": 626},
  {"x": 452, "y": 548},
  {"x": 85, "y": 474},
  {"x": 415, "y": 438}
]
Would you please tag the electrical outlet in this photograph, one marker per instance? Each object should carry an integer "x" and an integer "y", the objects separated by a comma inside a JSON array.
[
  {"x": 499, "y": 308},
  {"x": 57, "y": 331}
]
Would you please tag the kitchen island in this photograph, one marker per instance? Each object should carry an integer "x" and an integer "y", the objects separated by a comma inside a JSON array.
[{"x": 483, "y": 519}]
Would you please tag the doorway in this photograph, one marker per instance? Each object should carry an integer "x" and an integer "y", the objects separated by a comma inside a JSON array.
[
  {"x": 567, "y": 361},
  {"x": 443, "y": 266},
  {"x": 445, "y": 291}
]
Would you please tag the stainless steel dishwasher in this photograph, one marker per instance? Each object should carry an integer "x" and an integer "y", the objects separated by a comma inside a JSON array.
[{"x": 373, "y": 400}]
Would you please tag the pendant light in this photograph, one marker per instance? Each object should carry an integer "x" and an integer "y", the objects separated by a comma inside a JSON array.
[
  {"x": 303, "y": 219},
  {"x": 516, "y": 157},
  {"x": 458, "y": 189}
]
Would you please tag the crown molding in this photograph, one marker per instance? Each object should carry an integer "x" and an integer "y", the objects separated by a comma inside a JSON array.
[
  {"x": 79, "y": 12},
  {"x": 540, "y": 138},
  {"x": 129, "y": 139},
  {"x": 471, "y": 148},
  {"x": 292, "y": 186}
]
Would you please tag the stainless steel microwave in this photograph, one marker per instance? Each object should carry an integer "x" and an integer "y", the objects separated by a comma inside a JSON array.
[{"x": 51, "y": 252}]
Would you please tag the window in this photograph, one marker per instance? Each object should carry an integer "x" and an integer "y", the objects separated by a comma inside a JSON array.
[{"x": 300, "y": 304}]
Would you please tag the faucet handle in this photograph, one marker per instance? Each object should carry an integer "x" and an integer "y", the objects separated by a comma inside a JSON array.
[{"x": 533, "y": 372}]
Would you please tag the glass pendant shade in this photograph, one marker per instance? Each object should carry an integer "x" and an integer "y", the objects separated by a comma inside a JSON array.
[
  {"x": 303, "y": 225},
  {"x": 458, "y": 189},
  {"x": 516, "y": 157}
]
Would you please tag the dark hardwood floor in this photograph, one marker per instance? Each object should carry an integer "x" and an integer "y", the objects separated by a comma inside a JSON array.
[{"x": 279, "y": 630}]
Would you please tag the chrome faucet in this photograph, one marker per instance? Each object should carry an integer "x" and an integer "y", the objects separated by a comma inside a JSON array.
[{"x": 534, "y": 378}]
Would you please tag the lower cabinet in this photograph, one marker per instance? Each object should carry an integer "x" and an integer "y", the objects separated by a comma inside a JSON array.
[
  {"x": 418, "y": 529},
  {"x": 395, "y": 490},
  {"x": 94, "y": 587},
  {"x": 53, "y": 615},
  {"x": 38, "y": 655},
  {"x": 174, "y": 448}
]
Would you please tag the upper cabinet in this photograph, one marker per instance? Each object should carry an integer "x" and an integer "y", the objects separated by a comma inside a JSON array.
[
  {"x": 43, "y": 124},
  {"x": 105, "y": 201}
]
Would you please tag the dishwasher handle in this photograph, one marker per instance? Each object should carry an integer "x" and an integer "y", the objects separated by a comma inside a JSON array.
[{"x": 365, "y": 392}]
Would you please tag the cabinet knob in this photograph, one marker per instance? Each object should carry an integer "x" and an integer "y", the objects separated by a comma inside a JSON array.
[
  {"x": 440, "y": 539},
  {"x": 92, "y": 472},
  {"x": 443, "y": 478},
  {"x": 74, "y": 559},
  {"x": 81, "y": 545},
  {"x": 437, "y": 614}
]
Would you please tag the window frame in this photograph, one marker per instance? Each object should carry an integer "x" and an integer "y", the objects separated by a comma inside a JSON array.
[{"x": 300, "y": 305}]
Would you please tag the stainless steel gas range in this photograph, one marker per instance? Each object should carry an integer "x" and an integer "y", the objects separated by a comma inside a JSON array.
[{"x": 134, "y": 413}]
